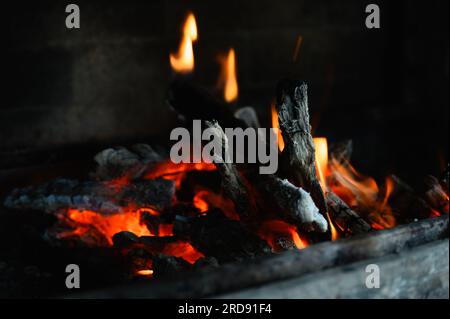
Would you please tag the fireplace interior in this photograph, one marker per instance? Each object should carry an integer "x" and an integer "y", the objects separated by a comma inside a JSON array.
[{"x": 86, "y": 178}]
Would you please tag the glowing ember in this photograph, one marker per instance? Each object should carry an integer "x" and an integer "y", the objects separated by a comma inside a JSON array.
[
  {"x": 276, "y": 127},
  {"x": 145, "y": 272},
  {"x": 183, "y": 250},
  {"x": 274, "y": 230},
  {"x": 228, "y": 78},
  {"x": 203, "y": 199},
  {"x": 183, "y": 60},
  {"x": 86, "y": 222}
]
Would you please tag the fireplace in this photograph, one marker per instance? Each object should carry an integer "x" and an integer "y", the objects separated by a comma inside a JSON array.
[{"x": 92, "y": 179}]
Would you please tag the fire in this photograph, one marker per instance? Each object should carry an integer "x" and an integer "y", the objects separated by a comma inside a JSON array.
[
  {"x": 87, "y": 223},
  {"x": 228, "y": 78},
  {"x": 272, "y": 231},
  {"x": 361, "y": 191},
  {"x": 183, "y": 60},
  {"x": 145, "y": 272},
  {"x": 203, "y": 199},
  {"x": 321, "y": 146},
  {"x": 276, "y": 127},
  {"x": 183, "y": 250}
]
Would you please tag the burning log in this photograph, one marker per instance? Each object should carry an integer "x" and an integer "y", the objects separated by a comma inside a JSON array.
[
  {"x": 195, "y": 102},
  {"x": 216, "y": 236},
  {"x": 100, "y": 197},
  {"x": 291, "y": 203},
  {"x": 345, "y": 217},
  {"x": 232, "y": 182},
  {"x": 299, "y": 153}
]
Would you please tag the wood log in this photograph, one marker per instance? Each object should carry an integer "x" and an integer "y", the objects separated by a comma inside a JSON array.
[
  {"x": 216, "y": 236},
  {"x": 289, "y": 265},
  {"x": 407, "y": 205},
  {"x": 233, "y": 184},
  {"x": 290, "y": 203},
  {"x": 193, "y": 101},
  {"x": 100, "y": 197},
  {"x": 299, "y": 153},
  {"x": 348, "y": 221}
]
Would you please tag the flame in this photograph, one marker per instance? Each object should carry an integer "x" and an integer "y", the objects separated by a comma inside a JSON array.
[
  {"x": 183, "y": 250},
  {"x": 183, "y": 60},
  {"x": 361, "y": 191},
  {"x": 228, "y": 78},
  {"x": 203, "y": 199},
  {"x": 321, "y": 147},
  {"x": 145, "y": 272},
  {"x": 87, "y": 223},
  {"x": 276, "y": 127},
  {"x": 272, "y": 230}
]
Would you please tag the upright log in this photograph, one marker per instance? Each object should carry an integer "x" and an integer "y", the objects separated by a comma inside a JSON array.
[{"x": 299, "y": 152}]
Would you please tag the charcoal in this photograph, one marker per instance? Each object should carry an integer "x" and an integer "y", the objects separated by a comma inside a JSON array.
[
  {"x": 152, "y": 222},
  {"x": 90, "y": 195},
  {"x": 206, "y": 262},
  {"x": 164, "y": 265},
  {"x": 125, "y": 239},
  {"x": 216, "y": 236}
]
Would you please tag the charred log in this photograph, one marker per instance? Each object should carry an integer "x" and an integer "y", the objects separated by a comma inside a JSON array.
[
  {"x": 299, "y": 153},
  {"x": 232, "y": 183},
  {"x": 96, "y": 196},
  {"x": 216, "y": 236},
  {"x": 348, "y": 220},
  {"x": 193, "y": 101}
]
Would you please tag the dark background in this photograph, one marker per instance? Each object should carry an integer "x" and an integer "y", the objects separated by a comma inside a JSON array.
[{"x": 105, "y": 83}]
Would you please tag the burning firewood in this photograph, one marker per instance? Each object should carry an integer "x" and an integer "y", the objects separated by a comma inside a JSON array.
[
  {"x": 216, "y": 236},
  {"x": 232, "y": 182},
  {"x": 299, "y": 153},
  {"x": 101, "y": 197},
  {"x": 348, "y": 220},
  {"x": 291, "y": 203}
]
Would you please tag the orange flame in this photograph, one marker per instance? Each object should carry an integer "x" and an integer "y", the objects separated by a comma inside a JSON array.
[
  {"x": 87, "y": 222},
  {"x": 183, "y": 60},
  {"x": 228, "y": 78},
  {"x": 145, "y": 272},
  {"x": 276, "y": 127},
  {"x": 321, "y": 146},
  {"x": 273, "y": 230}
]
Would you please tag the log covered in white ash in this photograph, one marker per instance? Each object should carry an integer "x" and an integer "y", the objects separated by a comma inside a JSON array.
[{"x": 100, "y": 197}]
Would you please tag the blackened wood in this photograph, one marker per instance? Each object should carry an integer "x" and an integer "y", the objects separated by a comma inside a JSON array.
[
  {"x": 100, "y": 197},
  {"x": 348, "y": 220},
  {"x": 233, "y": 184},
  {"x": 406, "y": 203},
  {"x": 164, "y": 265},
  {"x": 195, "y": 102},
  {"x": 421, "y": 272},
  {"x": 299, "y": 152},
  {"x": 216, "y": 236},
  {"x": 288, "y": 265}
]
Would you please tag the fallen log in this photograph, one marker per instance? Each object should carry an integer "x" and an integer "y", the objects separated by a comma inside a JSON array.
[
  {"x": 299, "y": 153},
  {"x": 100, "y": 197},
  {"x": 348, "y": 221}
]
